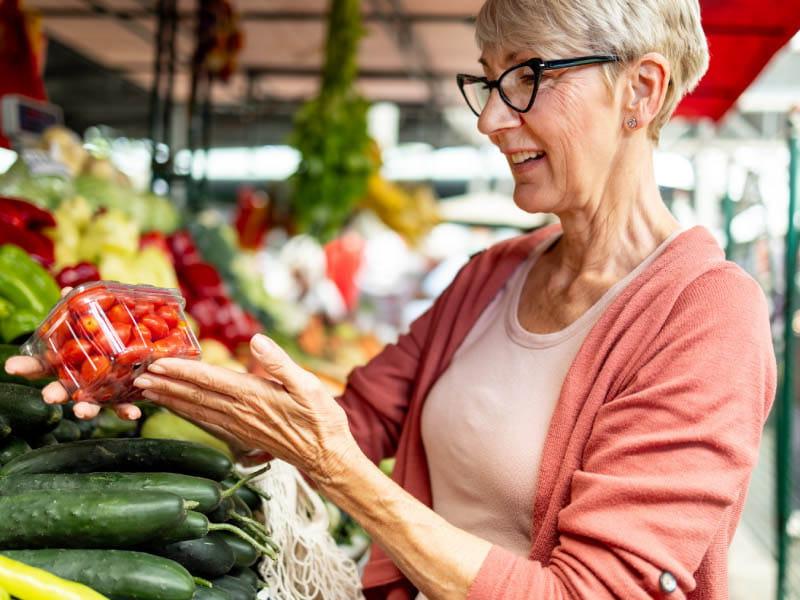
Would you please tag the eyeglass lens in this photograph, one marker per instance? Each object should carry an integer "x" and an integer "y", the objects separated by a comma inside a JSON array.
[{"x": 517, "y": 86}]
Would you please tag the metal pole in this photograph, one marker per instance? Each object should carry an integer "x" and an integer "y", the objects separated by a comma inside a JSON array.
[
  {"x": 155, "y": 90},
  {"x": 785, "y": 406},
  {"x": 727, "y": 211}
]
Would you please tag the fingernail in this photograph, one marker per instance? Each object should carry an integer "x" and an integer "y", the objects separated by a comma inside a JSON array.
[
  {"x": 156, "y": 368},
  {"x": 261, "y": 343},
  {"x": 143, "y": 382},
  {"x": 9, "y": 367},
  {"x": 149, "y": 395}
]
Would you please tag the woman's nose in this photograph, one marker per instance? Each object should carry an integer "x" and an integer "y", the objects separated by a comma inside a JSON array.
[{"x": 497, "y": 115}]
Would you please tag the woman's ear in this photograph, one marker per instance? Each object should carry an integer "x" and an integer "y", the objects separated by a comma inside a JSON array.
[{"x": 648, "y": 83}]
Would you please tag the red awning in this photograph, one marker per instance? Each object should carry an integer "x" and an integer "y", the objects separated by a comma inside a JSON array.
[{"x": 743, "y": 35}]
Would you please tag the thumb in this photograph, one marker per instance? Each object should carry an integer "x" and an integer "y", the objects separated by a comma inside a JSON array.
[{"x": 278, "y": 365}]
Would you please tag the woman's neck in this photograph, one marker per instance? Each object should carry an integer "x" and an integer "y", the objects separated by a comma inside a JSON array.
[{"x": 611, "y": 233}]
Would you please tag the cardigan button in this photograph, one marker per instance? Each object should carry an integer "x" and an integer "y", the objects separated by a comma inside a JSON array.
[{"x": 667, "y": 582}]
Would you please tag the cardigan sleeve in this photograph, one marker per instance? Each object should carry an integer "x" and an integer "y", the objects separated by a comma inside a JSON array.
[{"x": 666, "y": 460}]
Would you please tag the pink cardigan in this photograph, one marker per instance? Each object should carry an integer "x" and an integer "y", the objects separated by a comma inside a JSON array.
[{"x": 651, "y": 446}]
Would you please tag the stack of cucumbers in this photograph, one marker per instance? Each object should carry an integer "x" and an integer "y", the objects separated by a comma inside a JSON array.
[{"x": 132, "y": 518}]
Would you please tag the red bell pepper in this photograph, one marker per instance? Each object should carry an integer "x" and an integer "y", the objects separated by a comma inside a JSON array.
[
  {"x": 77, "y": 274},
  {"x": 23, "y": 213},
  {"x": 38, "y": 245},
  {"x": 182, "y": 249}
]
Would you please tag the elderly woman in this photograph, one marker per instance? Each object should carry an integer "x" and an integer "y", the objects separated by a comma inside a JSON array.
[{"x": 579, "y": 413}]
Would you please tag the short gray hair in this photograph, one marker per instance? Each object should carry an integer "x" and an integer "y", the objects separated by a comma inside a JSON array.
[{"x": 627, "y": 28}]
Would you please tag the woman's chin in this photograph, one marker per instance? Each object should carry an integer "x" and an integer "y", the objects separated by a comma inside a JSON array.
[{"x": 532, "y": 200}]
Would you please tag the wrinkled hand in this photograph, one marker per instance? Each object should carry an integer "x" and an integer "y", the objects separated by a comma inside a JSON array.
[
  {"x": 54, "y": 393},
  {"x": 292, "y": 416}
]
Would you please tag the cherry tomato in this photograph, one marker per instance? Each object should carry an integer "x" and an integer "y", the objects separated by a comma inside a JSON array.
[
  {"x": 67, "y": 376},
  {"x": 52, "y": 358},
  {"x": 141, "y": 309},
  {"x": 120, "y": 331},
  {"x": 119, "y": 314},
  {"x": 135, "y": 353},
  {"x": 89, "y": 325},
  {"x": 75, "y": 351},
  {"x": 94, "y": 369},
  {"x": 170, "y": 315},
  {"x": 104, "y": 394},
  {"x": 57, "y": 330},
  {"x": 168, "y": 346},
  {"x": 82, "y": 303},
  {"x": 158, "y": 327},
  {"x": 141, "y": 333}
]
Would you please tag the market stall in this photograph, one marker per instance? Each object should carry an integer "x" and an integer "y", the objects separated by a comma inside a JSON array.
[{"x": 332, "y": 262}]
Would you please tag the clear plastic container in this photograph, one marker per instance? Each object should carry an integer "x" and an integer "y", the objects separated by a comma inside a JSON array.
[{"x": 104, "y": 334}]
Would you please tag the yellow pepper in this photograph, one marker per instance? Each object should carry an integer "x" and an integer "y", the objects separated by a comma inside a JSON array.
[
  {"x": 4, "y": 595},
  {"x": 29, "y": 583}
]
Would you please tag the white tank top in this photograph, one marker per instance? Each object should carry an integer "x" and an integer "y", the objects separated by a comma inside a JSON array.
[{"x": 485, "y": 420}]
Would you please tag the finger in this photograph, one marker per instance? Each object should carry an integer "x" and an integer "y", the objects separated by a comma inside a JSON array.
[
  {"x": 65, "y": 291},
  {"x": 54, "y": 393},
  {"x": 280, "y": 366},
  {"x": 86, "y": 410},
  {"x": 129, "y": 412},
  {"x": 25, "y": 366},
  {"x": 183, "y": 390},
  {"x": 202, "y": 375},
  {"x": 213, "y": 421}
]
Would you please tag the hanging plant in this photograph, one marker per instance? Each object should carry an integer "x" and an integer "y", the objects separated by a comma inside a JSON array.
[{"x": 330, "y": 131}]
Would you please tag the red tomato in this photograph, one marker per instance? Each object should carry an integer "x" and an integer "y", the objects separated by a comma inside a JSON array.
[
  {"x": 52, "y": 358},
  {"x": 141, "y": 334},
  {"x": 104, "y": 394},
  {"x": 119, "y": 314},
  {"x": 67, "y": 376},
  {"x": 75, "y": 351},
  {"x": 158, "y": 327},
  {"x": 170, "y": 315},
  {"x": 169, "y": 346},
  {"x": 89, "y": 325},
  {"x": 82, "y": 303},
  {"x": 56, "y": 331},
  {"x": 113, "y": 340},
  {"x": 141, "y": 309},
  {"x": 136, "y": 352},
  {"x": 94, "y": 369}
]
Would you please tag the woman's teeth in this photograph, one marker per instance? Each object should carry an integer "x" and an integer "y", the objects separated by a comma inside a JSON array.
[{"x": 521, "y": 157}]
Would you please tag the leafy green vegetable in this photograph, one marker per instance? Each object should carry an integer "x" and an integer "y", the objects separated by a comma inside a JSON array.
[{"x": 331, "y": 133}]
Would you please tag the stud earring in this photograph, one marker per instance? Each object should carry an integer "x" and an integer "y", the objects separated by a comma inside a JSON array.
[{"x": 632, "y": 123}]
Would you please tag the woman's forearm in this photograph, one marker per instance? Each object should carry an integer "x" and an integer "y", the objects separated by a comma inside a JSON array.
[{"x": 440, "y": 560}]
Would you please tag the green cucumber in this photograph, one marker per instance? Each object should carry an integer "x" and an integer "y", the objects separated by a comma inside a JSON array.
[
  {"x": 244, "y": 492},
  {"x": 86, "y": 519},
  {"x": 208, "y": 556},
  {"x": 197, "y": 525},
  {"x": 236, "y": 588},
  {"x": 247, "y": 575},
  {"x": 23, "y": 408},
  {"x": 222, "y": 512},
  {"x": 5, "y": 428},
  {"x": 203, "y": 491},
  {"x": 244, "y": 554},
  {"x": 206, "y": 593},
  {"x": 11, "y": 448},
  {"x": 67, "y": 431},
  {"x": 118, "y": 574},
  {"x": 128, "y": 455},
  {"x": 40, "y": 441}
]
